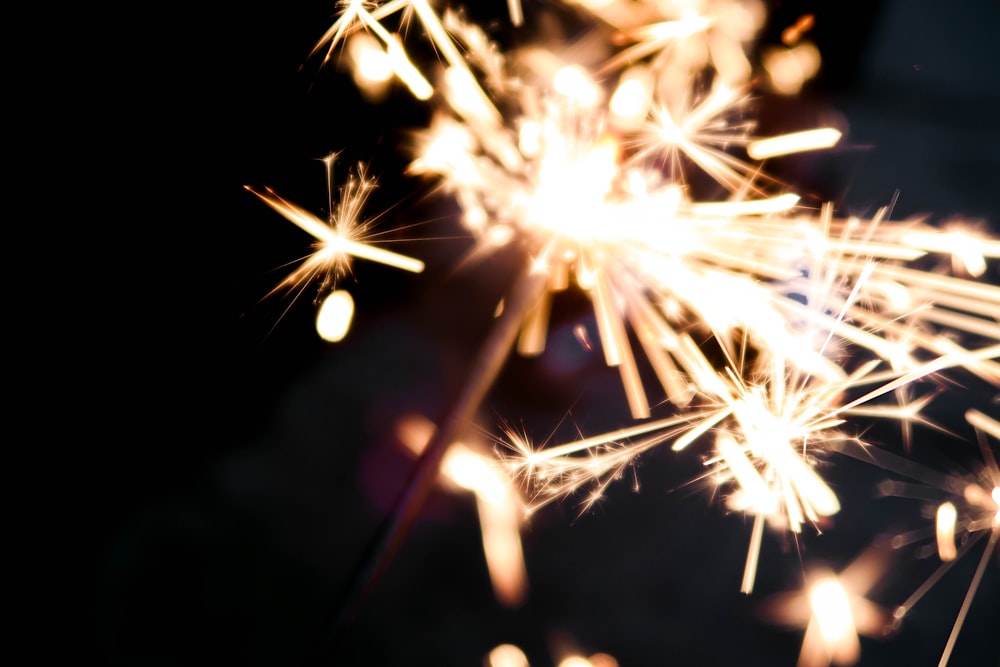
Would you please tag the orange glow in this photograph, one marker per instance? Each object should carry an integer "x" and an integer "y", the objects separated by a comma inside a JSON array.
[{"x": 793, "y": 33}]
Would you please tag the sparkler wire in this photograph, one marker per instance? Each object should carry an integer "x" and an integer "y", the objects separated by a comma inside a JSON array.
[
  {"x": 391, "y": 532},
  {"x": 967, "y": 602}
]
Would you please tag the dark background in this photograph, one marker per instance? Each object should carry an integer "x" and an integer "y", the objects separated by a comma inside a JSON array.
[{"x": 241, "y": 465}]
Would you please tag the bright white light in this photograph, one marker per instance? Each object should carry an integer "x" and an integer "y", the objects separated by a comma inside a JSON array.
[
  {"x": 832, "y": 611},
  {"x": 507, "y": 655},
  {"x": 574, "y": 83}
]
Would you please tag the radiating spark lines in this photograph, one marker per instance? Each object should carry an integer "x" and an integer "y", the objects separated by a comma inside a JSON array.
[{"x": 346, "y": 236}]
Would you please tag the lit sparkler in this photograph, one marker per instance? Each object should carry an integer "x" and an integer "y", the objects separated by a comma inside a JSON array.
[{"x": 593, "y": 162}]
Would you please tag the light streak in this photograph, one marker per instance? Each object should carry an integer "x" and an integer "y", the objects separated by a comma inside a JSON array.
[{"x": 796, "y": 142}]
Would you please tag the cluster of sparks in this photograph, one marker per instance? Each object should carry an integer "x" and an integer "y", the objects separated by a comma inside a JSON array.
[{"x": 622, "y": 165}]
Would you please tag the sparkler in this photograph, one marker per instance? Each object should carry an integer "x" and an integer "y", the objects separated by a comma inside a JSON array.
[{"x": 629, "y": 169}]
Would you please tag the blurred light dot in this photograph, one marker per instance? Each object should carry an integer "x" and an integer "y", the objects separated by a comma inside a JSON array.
[
  {"x": 507, "y": 655},
  {"x": 372, "y": 62},
  {"x": 334, "y": 317}
]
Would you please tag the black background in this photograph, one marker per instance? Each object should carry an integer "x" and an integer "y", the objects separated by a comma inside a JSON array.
[{"x": 240, "y": 466}]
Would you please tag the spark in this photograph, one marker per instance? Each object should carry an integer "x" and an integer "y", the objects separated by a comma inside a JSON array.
[
  {"x": 507, "y": 655},
  {"x": 794, "y": 32},
  {"x": 510, "y": 655},
  {"x": 582, "y": 193},
  {"x": 345, "y": 236}
]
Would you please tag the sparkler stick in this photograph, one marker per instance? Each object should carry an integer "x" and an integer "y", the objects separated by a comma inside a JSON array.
[{"x": 390, "y": 534}]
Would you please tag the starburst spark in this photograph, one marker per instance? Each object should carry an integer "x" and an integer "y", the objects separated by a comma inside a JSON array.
[{"x": 345, "y": 236}]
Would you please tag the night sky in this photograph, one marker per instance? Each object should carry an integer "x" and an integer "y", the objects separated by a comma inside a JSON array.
[{"x": 243, "y": 465}]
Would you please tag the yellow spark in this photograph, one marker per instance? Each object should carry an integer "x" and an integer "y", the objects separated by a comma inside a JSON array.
[
  {"x": 789, "y": 69},
  {"x": 340, "y": 239},
  {"x": 405, "y": 70},
  {"x": 750, "y": 207},
  {"x": 973, "y": 514},
  {"x": 371, "y": 63},
  {"x": 817, "y": 319}
]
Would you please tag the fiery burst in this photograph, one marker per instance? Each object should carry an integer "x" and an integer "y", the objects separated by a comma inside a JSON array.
[{"x": 347, "y": 234}]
